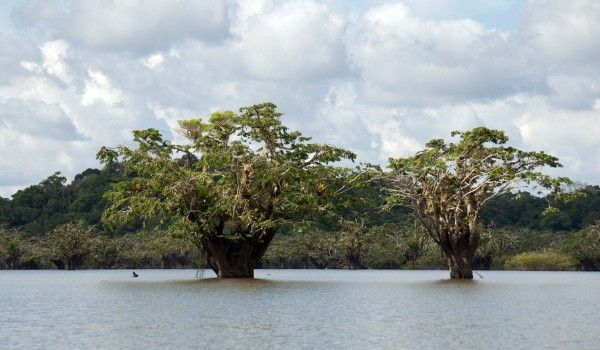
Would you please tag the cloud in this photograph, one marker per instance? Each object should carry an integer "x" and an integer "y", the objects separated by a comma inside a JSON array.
[
  {"x": 38, "y": 157},
  {"x": 14, "y": 48},
  {"x": 296, "y": 40},
  {"x": 54, "y": 53},
  {"x": 99, "y": 88},
  {"x": 379, "y": 78},
  {"x": 156, "y": 60},
  {"x": 37, "y": 139},
  {"x": 561, "y": 35},
  {"x": 137, "y": 25},
  {"x": 563, "y": 32},
  {"x": 37, "y": 119},
  {"x": 407, "y": 59}
]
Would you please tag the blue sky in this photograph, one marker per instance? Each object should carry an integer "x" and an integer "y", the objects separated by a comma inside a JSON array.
[{"x": 378, "y": 77}]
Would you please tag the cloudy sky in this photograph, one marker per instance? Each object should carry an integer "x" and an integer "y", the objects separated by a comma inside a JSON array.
[{"x": 378, "y": 77}]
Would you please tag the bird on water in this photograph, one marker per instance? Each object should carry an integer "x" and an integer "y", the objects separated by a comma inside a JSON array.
[{"x": 135, "y": 274}]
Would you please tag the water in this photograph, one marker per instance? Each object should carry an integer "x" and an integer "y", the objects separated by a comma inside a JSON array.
[{"x": 302, "y": 309}]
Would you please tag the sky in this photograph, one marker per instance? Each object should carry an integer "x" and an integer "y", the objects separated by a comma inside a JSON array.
[{"x": 378, "y": 77}]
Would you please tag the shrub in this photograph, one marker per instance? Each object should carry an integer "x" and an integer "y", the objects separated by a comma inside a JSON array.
[{"x": 541, "y": 261}]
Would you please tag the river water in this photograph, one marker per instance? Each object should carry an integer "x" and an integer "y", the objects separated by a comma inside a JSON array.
[{"x": 303, "y": 309}]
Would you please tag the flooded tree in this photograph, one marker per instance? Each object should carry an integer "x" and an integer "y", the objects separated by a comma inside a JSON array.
[
  {"x": 447, "y": 185},
  {"x": 70, "y": 244},
  {"x": 11, "y": 248},
  {"x": 351, "y": 240},
  {"x": 239, "y": 177}
]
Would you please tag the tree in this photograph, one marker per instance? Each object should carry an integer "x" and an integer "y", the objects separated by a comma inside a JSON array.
[
  {"x": 448, "y": 184},
  {"x": 351, "y": 240},
  {"x": 230, "y": 188},
  {"x": 70, "y": 244},
  {"x": 40, "y": 207},
  {"x": 585, "y": 247},
  {"x": 11, "y": 248}
]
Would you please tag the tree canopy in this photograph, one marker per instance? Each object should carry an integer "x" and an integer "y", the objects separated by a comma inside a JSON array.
[
  {"x": 238, "y": 179},
  {"x": 447, "y": 184}
]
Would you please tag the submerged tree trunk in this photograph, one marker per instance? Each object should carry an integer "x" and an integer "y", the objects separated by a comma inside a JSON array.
[
  {"x": 460, "y": 265},
  {"x": 459, "y": 251},
  {"x": 234, "y": 258},
  {"x": 353, "y": 257}
]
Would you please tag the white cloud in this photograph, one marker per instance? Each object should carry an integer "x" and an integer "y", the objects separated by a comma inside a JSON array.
[
  {"x": 31, "y": 67},
  {"x": 54, "y": 53},
  {"x": 134, "y": 25},
  {"x": 156, "y": 60},
  {"x": 295, "y": 40},
  {"x": 407, "y": 59},
  {"x": 37, "y": 139},
  {"x": 381, "y": 79},
  {"x": 98, "y": 88},
  {"x": 563, "y": 32}
]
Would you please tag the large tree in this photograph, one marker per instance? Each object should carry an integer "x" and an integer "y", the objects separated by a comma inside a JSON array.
[
  {"x": 230, "y": 188},
  {"x": 447, "y": 184}
]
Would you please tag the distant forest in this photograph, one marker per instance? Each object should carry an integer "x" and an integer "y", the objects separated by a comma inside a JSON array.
[{"x": 516, "y": 234}]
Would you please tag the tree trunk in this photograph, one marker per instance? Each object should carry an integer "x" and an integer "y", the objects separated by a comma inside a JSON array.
[
  {"x": 354, "y": 260},
  {"x": 234, "y": 258},
  {"x": 460, "y": 265},
  {"x": 459, "y": 252}
]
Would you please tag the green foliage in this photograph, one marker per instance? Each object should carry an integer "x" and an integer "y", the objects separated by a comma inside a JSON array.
[
  {"x": 353, "y": 246},
  {"x": 526, "y": 211},
  {"x": 240, "y": 177},
  {"x": 40, "y": 208},
  {"x": 520, "y": 209},
  {"x": 585, "y": 247},
  {"x": 17, "y": 251},
  {"x": 144, "y": 249},
  {"x": 541, "y": 261},
  {"x": 70, "y": 244},
  {"x": 12, "y": 247},
  {"x": 447, "y": 184},
  {"x": 310, "y": 249}
]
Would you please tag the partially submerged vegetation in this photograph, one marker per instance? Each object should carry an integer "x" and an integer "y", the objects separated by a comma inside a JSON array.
[
  {"x": 89, "y": 249},
  {"x": 244, "y": 183},
  {"x": 543, "y": 261},
  {"x": 386, "y": 246},
  {"x": 240, "y": 177},
  {"x": 447, "y": 185}
]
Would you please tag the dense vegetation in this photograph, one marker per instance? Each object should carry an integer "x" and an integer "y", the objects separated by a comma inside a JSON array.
[
  {"x": 56, "y": 224},
  {"x": 511, "y": 226}
]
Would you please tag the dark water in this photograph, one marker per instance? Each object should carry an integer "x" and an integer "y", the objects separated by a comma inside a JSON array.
[{"x": 303, "y": 309}]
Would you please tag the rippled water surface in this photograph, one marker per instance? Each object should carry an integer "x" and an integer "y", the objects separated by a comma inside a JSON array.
[{"x": 299, "y": 309}]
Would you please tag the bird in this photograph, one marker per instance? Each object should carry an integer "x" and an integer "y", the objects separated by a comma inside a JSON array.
[{"x": 135, "y": 274}]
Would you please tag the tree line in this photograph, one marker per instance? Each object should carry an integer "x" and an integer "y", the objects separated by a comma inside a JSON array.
[{"x": 245, "y": 183}]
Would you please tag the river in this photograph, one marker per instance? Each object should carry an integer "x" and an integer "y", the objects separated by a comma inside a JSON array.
[{"x": 304, "y": 309}]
